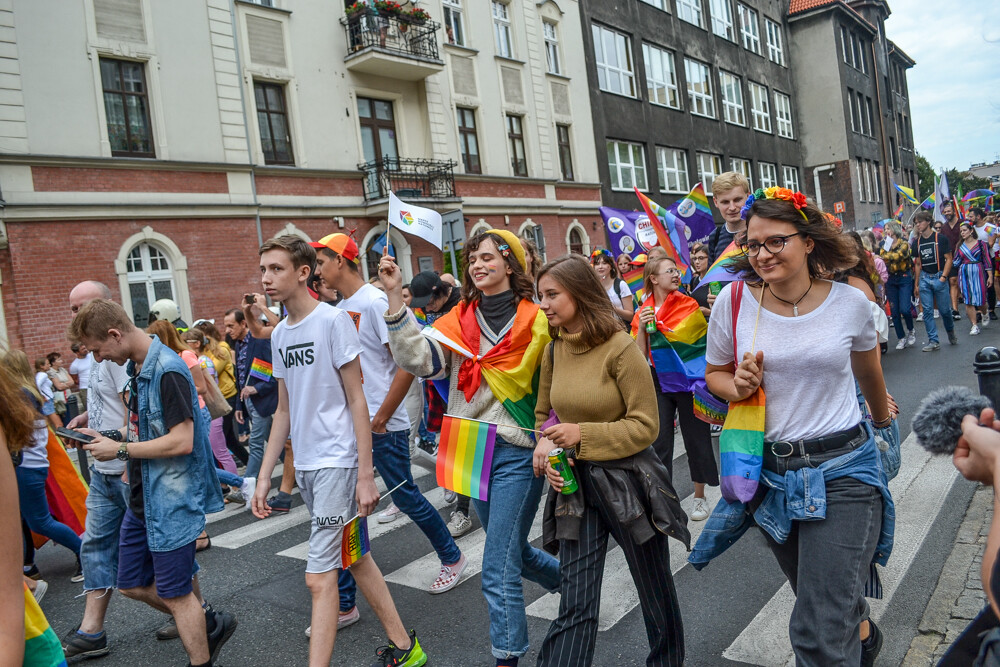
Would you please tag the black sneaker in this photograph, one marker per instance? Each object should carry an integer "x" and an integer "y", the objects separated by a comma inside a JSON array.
[
  {"x": 428, "y": 446},
  {"x": 78, "y": 575},
  {"x": 280, "y": 502},
  {"x": 225, "y": 626},
  {"x": 74, "y": 644},
  {"x": 955, "y": 316},
  {"x": 952, "y": 337},
  {"x": 979, "y": 317},
  {"x": 391, "y": 656},
  {"x": 871, "y": 647}
]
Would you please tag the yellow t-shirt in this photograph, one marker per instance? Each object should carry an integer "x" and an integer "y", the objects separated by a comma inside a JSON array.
[{"x": 225, "y": 371}]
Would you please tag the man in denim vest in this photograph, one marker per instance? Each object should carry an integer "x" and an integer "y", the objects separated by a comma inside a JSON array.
[{"x": 172, "y": 481}]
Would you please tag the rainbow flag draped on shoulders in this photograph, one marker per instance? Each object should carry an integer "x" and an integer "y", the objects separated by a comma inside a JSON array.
[
  {"x": 677, "y": 348},
  {"x": 510, "y": 368},
  {"x": 721, "y": 270}
]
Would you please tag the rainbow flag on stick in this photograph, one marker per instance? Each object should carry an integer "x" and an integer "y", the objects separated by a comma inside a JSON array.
[
  {"x": 260, "y": 369},
  {"x": 721, "y": 270},
  {"x": 355, "y": 543},
  {"x": 669, "y": 234},
  {"x": 465, "y": 456},
  {"x": 928, "y": 203}
]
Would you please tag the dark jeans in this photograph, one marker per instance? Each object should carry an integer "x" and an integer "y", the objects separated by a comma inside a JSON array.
[
  {"x": 229, "y": 430},
  {"x": 697, "y": 436},
  {"x": 835, "y": 555},
  {"x": 898, "y": 290},
  {"x": 571, "y": 637}
]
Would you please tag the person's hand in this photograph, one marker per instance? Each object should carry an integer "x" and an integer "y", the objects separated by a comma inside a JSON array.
[
  {"x": 710, "y": 299},
  {"x": 566, "y": 436},
  {"x": 943, "y": 279},
  {"x": 540, "y": 458},
  {"x": 749, "y": 374},
  {"x": 379, "y": 422},
  {"x": 103, "y": 449},
  {"x": 239, "y": 416},
  {"x": 978, "y": 449},
  {"x": 893, "y": 407},
  {"x": 646, "y": 315},
  {"x": 247, "y": 392},
  {"x": 389, "y": 273},
  {"x": 79, "y": 421},
  {"x": 259, "y": 505},
  {"x": 554, "y": 478},
  {"x": 366, "y": 494}
]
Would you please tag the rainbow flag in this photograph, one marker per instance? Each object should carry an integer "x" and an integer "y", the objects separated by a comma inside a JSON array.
[
  {"x": 741, "y": 448},
  {"x": 634, "y": 281},
  {"x": 510, "y": 368},
  {"x": 260, "y": 369},
  {"x": 707, "y": 406},
  {"x": 421, "y": 318},
  {"x": 897, "y": 215},
  {"x": 929, "y": 202},
  {"x": 465, "y": 456},
  {"x": 355, "y": 543},
  {"x": 42, "y": 647},
  {"x": 669, "y": 234},
  {"x": 677, "y": 347},
  {"x": 65, "y": 490},
  {"x": 721, "y": 270}
]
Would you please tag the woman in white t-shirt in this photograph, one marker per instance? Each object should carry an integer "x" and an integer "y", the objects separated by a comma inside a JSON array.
[
  {"x": 618, "y": 291},
  {"x": 805, "y": 340}
]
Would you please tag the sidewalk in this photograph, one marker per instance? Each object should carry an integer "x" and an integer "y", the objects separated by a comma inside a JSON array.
[{"x": 959, "y": 596}]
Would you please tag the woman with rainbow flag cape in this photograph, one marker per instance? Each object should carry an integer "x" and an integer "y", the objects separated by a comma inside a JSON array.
[
  {"x": 676, "y": 355},
  {"x": 608, "y": 429},
  {"x": 490, "y": 346},
  {"x": 822, "y": 502}
]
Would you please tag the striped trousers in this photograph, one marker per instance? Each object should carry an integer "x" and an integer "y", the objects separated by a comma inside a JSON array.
[{"x": 571, "y": 637}]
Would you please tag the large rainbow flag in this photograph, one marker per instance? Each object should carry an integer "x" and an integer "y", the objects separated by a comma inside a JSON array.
[
  {"x": 721, "y": 270},
  {"x": 355, "y": 543},
  {"x": 65, "y": 490},
  {"x": 41, "y": 644},
  {"x": 741, "y": 448},
  {"x": 634, "y": 281},
  {"x": 465, "y": 456},
  {"x": 670, "y": 234},
  {"x": 677, "y": 347},
  {"x": 510, "y": 368}
]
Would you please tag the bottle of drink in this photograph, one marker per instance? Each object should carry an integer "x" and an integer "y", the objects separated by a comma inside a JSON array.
[{"x": 714, "y": 287}]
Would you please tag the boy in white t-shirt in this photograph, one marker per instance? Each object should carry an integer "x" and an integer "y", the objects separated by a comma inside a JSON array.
[
  {"x": 321, "y": 405},
  {"x": 385, "y": 387}
]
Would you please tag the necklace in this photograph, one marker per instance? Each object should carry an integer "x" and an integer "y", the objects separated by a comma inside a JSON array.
[{"x": 795, "y": 304}]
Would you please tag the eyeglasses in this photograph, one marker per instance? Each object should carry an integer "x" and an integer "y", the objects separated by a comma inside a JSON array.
[
  {"x": 669, "y": 272},
  {"x": 774, "y": 245}
]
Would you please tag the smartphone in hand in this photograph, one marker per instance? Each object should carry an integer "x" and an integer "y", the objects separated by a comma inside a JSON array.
[{"x": 73, "y": 435}]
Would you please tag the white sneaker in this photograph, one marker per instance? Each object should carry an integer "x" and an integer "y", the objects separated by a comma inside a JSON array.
[
  {"x": 901, "y": 344},
  {"x": 700, "y": 511},
  {"x": 249, "y": 487},
  {"x": 920, "y": 316},
  {"x": 389, "y": 514},
  {"x": 985, "y": 323},
  {"x": 41, "y": 586},
  {"x": 911, "y": 339},
  {"x": 937, "y": 314},
  {"x": 975, "y": 330},
  {"x": 459, "y": 524},
  {"x": 449, "y": 576},
  {"x": 343, "y": 621}
]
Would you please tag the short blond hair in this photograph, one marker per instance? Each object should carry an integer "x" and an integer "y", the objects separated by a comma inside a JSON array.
[
  {"x": 728, "y": 180},
  {"x": 95, "y": 319}
]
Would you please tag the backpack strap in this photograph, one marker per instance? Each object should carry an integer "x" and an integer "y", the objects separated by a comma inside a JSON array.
[{"x": 735, "y": 300}]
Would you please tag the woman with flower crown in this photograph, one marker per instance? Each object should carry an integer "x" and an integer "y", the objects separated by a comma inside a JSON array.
[{"x": 822, "y": 501}]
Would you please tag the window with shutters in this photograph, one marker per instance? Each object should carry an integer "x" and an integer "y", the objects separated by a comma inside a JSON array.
[
  {"x": 126, "y": 108},
  {"x": 613, "y": 55},
  {"x": 272, "y": 119}
]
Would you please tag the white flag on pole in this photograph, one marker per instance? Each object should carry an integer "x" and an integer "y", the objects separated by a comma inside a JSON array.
[
  {"x": 415, "y": 220},
  {"x": 942, "y": 198},
  {"x": 938, "y": 215}
]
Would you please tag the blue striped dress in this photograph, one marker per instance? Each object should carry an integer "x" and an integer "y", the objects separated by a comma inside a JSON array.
[{"x": 973, "y": 264}]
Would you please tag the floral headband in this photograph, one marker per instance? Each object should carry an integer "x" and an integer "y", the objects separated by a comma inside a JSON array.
[
  {"x": 602, "y": 251},
  {"x": 797, "y": 199}
]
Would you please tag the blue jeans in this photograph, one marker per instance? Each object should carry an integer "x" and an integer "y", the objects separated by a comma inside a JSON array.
[
  {"x": 106, "y": 505},
  {"x": 229, "y": 479},
  {"x": 935, "y": 294},
  {"x": 514, "y": 493},
  {"x": 898, "y": 290},
  {"x": 35, "y": 508},
  {"x": 391, "y": 455},
  {"x": 260, "y": 430}
]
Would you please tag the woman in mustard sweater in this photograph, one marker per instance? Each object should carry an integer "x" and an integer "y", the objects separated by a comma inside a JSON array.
[{"x": 608, "y": 428}]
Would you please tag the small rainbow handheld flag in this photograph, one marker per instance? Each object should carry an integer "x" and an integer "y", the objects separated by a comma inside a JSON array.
[
  {"x": 420, "y": 316},
  {"x": 465, "y": 456},
  {"x": 260, "y": 369},
  {"x": 668, "y": 235},
  {"x": 721, "y": 270},
  {"x": 634, "y": 281},
  {"x": 355, "y": 543}
]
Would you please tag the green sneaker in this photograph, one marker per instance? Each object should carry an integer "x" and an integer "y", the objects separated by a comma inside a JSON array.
[{"x": 391, "y": 656}]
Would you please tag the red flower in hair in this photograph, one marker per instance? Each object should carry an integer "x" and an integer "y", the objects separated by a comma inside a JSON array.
[{"x": 799, "y": 200}]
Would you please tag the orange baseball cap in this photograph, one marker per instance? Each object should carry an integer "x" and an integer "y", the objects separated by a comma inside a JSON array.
[{"x": 342, "y": 244}]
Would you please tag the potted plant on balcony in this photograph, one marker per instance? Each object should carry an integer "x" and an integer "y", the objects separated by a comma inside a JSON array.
[
  {"x": 388, "y": 7},
  {"x": 357, "y": 10},
  {"x": 416, "y": 16}
]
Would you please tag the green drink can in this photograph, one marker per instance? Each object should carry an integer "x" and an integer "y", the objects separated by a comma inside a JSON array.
[
  {"x": 651, "y": 326},
  {"x": 714, "y": 287},
  {"x": 559, "y": 461}
]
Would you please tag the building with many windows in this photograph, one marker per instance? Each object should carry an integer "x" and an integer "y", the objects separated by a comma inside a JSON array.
[{"x": 153, "y": 145}]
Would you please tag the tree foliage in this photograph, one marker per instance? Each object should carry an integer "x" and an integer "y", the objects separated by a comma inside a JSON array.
[{"x": 957, "y": 179}]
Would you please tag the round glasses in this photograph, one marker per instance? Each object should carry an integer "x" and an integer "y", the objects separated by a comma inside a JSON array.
[{"x": 774, "y": 245}]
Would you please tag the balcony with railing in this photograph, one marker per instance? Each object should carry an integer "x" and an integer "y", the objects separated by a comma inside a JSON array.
[
  {"x": 408, "y": 178},
  {"x": 396, "y": 46}
]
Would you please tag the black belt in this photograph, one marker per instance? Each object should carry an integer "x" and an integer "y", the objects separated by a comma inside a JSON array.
[{"x": 781, "y": 449}]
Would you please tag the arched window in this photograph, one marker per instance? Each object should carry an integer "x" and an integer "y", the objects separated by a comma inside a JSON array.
[
  {"x": 150, "y": 279},
  {"x": 577, "y": 239},
  {"x": 575, "y": 242},
  {"x": 371, "y": 252}
]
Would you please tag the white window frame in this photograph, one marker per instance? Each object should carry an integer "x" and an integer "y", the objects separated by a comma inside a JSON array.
[
  {"x": 732, "y": 109},
  {"x": 759, "y": 108},
  {"x": 742, "y": 166},
  {"x": 783, "y": 115},
  {"x": 877, "y": 179},
  {"x": 177, "y": 263},
  {"x": 634, "y": 166},
  {"x": 613, "y": 71},
  {"x": 749, "y": 28},
  {"x": 661, "y": 76},
  {"x": 790, "y": 178},
  {"x": 722, "y": 19},
  {"x": 453, "y": 19},
  {"x": 550, "y": 32},
  {"x": 709, "y": 167},
  {"x": 868, "y": 181},
  {"x": 844, "y": 35},
  {"x": 691, "y": 12},
  {"x": 768, "y": 174},
  {"x": 775, "y": 52},
  {"x": 852, "y": 102},
  {"x": 502, "y": 35},
  {"x": 659, "y": 4},
  {"x": 870, "y": 114},
  {"x": 697, "y": 100},
  {"x": 672, "y": 170},
  {"x": 861, "y": 180}
]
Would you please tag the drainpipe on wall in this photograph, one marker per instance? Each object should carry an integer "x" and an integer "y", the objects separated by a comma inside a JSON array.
[
  {"x": 246, "y": 124},
  {"x": 819, "y": 193}
]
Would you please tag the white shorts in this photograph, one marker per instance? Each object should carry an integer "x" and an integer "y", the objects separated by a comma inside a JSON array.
[{"x": 329, "y": 493}]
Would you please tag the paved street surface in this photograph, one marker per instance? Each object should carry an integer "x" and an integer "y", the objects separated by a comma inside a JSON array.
[{"x": 735, "y": 611}]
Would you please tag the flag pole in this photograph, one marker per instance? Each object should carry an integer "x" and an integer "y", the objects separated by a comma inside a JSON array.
[
  {"x": 470, "y": 419},
  {"x": 385, "y": 495}
]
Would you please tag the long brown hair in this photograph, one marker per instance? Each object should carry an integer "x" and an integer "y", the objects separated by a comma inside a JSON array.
[
  {"x": 212, "y": 339},
  {"x": 17, "y": 419},
  {"x": 575, "y": 275},
  {"x": 520, "y": 283},
  {"x": 168, "y": 335},
  {"x": 832, "y": 250}
]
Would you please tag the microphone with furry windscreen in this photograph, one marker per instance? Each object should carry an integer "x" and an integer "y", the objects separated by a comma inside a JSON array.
[{"x": 938, "y": 421}]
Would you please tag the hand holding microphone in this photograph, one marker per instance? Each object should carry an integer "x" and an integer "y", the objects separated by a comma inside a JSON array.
[
  {"x": 978, "y": 450},
  {"x": 957, "y": 421}
]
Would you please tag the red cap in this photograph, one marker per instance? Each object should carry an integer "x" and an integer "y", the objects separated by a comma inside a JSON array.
[{"x": 342, "y": 244}]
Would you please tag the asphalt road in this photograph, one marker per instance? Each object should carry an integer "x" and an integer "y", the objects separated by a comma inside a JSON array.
[{"x": 267, "y": 593}]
